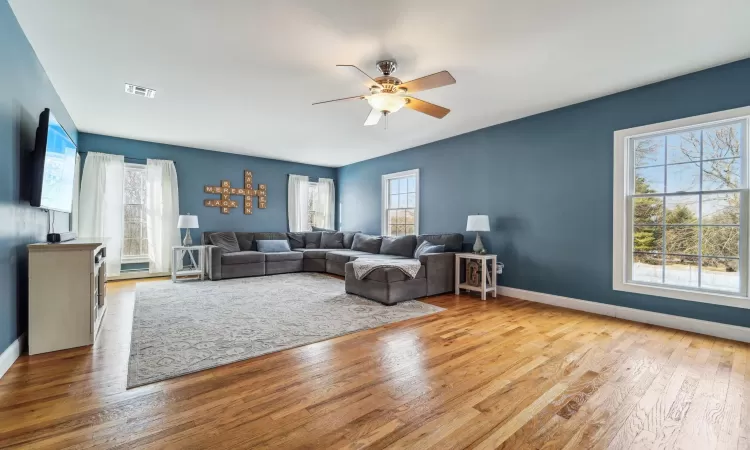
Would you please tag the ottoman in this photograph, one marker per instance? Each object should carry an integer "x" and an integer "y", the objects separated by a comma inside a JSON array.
[{"x": 386, "y": 285}]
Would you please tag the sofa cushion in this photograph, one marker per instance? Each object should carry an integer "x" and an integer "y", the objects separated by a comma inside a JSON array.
[
  {"x": 248, "y": 257},
  {"x": 428, "y": 247},
  {"x": 284, "y": 256},
  {"x": 275, "y": 246},
  {"x": 330, "y": 239},
  {"x": 245, "y": 240},
  {"x": 349, "y": 238},
  {"x": 452, "y": 241},
  {"x": 379, "y": 256},
  {"x": 391, "y": 274},
  {"x": 322, "y": 229},
  {"x": 344, "y": 256},
  {"x": 267, "y": 237},
  {"x": 226, "y": 241},
  {"x": 314, "y": 253},
  {"x": 399, "y": 245},
  {"x": 296, "y": 240},
  {"x": 367, "y": 243},
  {"x": 312, "y": 239}
]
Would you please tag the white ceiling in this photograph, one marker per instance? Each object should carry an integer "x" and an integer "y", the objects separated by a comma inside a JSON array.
[{"x": 240, "y": 76}]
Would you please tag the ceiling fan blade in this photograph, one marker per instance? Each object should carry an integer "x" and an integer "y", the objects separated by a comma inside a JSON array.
[
  {"x": 367, "y": 80},
  {"x": 433, "y": 81},
  {"x": 373, "y": 118},
  {"x": 359, "y": 97},
  {"x": 427, "y": 108}
]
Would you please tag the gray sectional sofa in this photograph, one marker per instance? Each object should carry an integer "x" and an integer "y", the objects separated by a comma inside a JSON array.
[{"x": 333, "y": 252}]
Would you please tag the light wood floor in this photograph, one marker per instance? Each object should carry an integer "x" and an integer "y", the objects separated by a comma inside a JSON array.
[{"x": 498, "y": 374}]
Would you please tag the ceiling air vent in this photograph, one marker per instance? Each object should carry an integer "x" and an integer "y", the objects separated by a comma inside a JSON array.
[{"x": 139, "y": 90}]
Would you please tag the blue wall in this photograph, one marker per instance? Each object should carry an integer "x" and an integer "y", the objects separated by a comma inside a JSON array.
[
  {"x": 24, "y": 93},
  {"x": 546, "y": 183},
  {"x": 197, "y": 168}
]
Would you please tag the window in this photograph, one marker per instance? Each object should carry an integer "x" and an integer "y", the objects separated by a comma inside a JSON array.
[
  {"x": 680, "y": 209},
  {"x": 312, "y": 203},
  {"x": 135, "y": 242},
  {"x": 401, "y": 203}
]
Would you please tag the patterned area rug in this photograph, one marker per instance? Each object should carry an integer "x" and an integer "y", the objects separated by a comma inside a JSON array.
[{"x": 180, "y": 328}]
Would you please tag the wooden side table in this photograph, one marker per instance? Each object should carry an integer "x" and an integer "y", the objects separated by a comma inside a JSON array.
[
  {"x": 198, "y": 268},
  {"x": 489, "y": 280}
]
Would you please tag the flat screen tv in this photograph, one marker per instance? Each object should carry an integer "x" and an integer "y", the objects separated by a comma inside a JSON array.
[{"x": 53, "y": 166}]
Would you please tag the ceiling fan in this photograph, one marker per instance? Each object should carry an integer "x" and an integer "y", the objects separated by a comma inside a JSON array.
[{"x": 388, "y": 94}]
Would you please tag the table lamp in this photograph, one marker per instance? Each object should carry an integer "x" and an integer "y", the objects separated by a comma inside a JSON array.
[
  {"x": 478, "y": 223},
  {"x": 187, "y": 221}
]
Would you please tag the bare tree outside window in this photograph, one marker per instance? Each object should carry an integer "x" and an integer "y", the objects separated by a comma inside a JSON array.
[
  {"x": 312, "y": 203},
  {"x": 135, "y": 242},
  {"x": 686, "y": 196}
]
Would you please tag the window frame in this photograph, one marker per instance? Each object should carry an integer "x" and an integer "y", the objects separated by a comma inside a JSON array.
[
  {"x": 141, "y": 258},
  {"x": 311, "y": 201},
  {"x": 622, "y": 238},
  {"x": 384, "y": 198}
]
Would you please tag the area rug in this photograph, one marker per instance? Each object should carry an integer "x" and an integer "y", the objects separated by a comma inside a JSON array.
[{"x": 180, "y": 328}]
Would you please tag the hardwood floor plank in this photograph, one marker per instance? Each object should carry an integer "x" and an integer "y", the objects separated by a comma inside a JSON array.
[
  {"x": 503, "y": 373},
  {"x": 731, "y": 426},
  {"x": 499, "y": 436},
  {"x": 696, "y": 427}
]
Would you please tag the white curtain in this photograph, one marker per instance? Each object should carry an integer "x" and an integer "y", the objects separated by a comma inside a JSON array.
[
  {"x": 101, "y": 204},
  {"x": 326, "y": 205},
  {"x": 297, "y": 202},
  {"x": 76, "y": 193},
  {"x": 162, "y": 212}
]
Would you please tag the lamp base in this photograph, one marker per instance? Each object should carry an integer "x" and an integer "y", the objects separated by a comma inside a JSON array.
[
  {"x": 478, "y": 247},
  {"x": 188, "y": 241}
]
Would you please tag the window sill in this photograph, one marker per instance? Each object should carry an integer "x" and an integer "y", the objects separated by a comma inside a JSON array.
[
  {"x": 134, "y": 260},
  {"x": 733, "y": 300}
]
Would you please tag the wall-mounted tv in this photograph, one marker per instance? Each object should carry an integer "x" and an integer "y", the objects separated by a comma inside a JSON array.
[{"x": 53, "y": 166}]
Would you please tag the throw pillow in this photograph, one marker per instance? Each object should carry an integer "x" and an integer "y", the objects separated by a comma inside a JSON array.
[
  {"x": 322, "y": 229},
  {"x": 399, "y": 245},
  {"x": 428, "y": 247},
  {"x": 367, "y": 243},
  {"x": 349, "y": 238},
  {"x": 312, "y": 240},
  {"x": 245, "y": 240},
  {"x": 329, "y": 239},
  {"x": 226, "y": 241},
  {"x": 296, "y": 240},
  {"x": 273, "y": 246}
]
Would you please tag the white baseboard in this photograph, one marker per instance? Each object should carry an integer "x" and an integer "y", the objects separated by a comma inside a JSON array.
[
  {"x": 135, "y": 275},
  {"x": 11, "y": 354},
  {"x": 721, "y": 330}
]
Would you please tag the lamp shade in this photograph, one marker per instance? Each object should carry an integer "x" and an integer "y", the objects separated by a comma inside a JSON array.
[
  {"x": 187, "y": 221},
  {"x": 478, "y": 223}
]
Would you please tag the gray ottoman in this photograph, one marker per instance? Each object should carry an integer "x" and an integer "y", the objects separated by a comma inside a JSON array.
[{"x": 387, "y": 286}]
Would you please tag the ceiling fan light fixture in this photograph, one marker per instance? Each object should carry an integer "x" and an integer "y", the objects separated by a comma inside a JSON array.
[{"x": 386, "y": 102}]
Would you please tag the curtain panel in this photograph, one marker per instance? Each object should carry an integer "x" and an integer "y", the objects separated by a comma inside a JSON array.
[
  {"x": 326, "y": 205},
  {"x": 162, "y": 213},
  {"x": 100, "y": 204},
  {"x": 297, "y": 203}
]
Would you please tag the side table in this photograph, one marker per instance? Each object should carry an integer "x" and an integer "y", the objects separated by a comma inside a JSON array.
[
  {"x": 197, "y": 269},
  {"x": 489, "y": 275}
]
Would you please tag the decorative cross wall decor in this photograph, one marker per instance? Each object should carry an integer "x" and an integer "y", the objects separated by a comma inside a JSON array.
[{"x": 226, "y": 190}]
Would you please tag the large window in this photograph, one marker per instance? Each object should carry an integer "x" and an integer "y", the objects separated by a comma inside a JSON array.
[
  {"x": 135, "y": 242},
  {"x": 680, "y": 208},
  {"x": 401, "y": 203}
]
